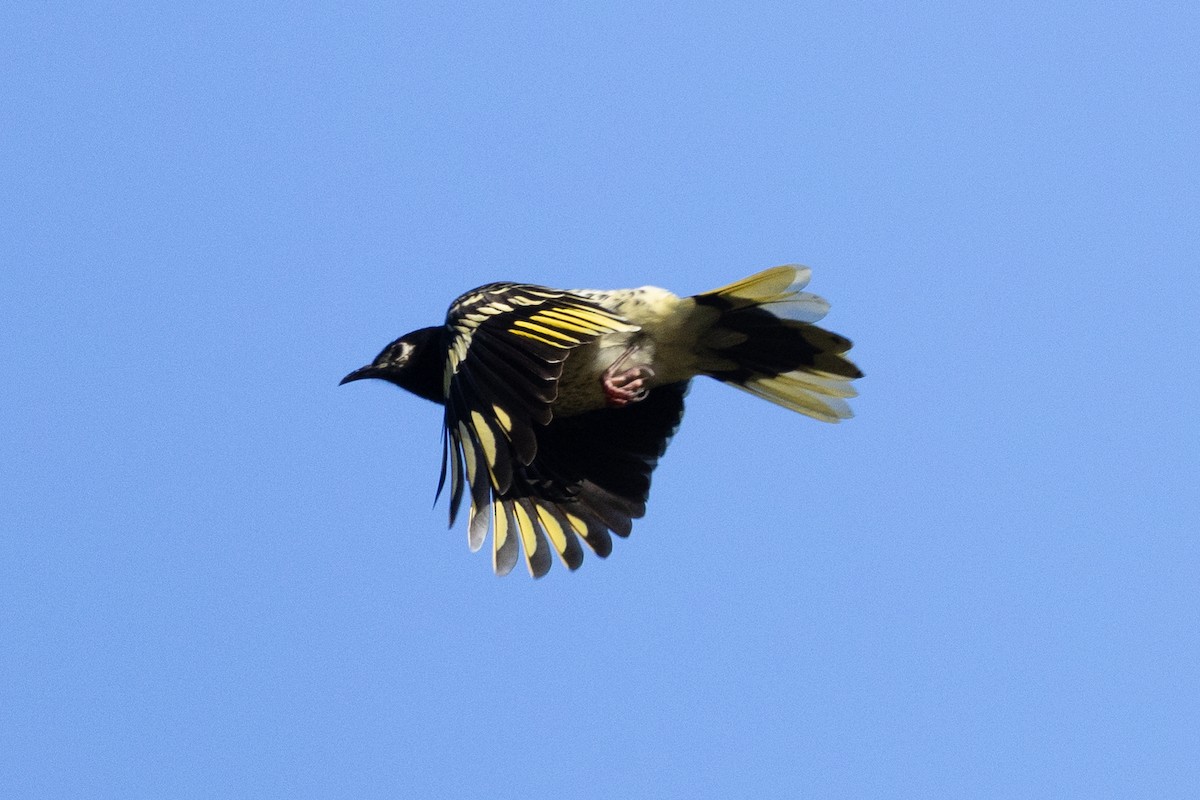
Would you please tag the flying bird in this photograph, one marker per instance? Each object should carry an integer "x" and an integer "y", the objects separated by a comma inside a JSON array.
[{"x": 558, "y": 404}]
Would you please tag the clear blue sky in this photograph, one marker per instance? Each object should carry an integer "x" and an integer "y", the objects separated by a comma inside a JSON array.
[{"x": 221, "y": 575}]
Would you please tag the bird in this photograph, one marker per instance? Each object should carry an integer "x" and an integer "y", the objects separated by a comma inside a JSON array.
[{"x": 558, "y": 404}]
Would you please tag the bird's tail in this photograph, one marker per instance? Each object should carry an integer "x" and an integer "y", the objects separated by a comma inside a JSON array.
[{"x": 764, "y": 341}]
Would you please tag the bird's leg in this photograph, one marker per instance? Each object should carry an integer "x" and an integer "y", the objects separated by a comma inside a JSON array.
[{"x": 622, "y": 387}]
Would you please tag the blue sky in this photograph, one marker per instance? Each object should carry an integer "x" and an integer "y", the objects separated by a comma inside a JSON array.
[{"x": 221, "y": 575}]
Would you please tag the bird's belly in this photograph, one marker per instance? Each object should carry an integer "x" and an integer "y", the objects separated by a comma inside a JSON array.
[{"x": 581, "y": 386}]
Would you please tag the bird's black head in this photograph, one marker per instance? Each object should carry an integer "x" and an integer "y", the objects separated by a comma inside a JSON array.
[{"x": 414, "y": 362}]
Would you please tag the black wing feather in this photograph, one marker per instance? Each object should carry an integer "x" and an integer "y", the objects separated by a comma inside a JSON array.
[{"x": 596, "y": 466}]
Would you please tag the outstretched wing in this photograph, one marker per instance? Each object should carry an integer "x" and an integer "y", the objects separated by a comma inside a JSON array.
[
  {"x": 507, "y": 345},
  {"x": 591, "y": 475}
]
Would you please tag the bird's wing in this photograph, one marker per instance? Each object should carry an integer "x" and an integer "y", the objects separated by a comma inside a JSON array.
[
  {"x": 591, "y": 475},
  {"x": 507, "y": 346}
]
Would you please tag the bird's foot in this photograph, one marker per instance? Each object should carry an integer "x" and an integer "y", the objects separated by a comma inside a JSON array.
[{"x": 622, "y": 387}]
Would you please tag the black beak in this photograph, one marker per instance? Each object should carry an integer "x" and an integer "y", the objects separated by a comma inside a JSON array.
[{"x": 369, "y": 371}]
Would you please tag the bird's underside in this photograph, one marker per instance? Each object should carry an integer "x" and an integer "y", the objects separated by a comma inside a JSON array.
[{"x": 558, "y": 404}]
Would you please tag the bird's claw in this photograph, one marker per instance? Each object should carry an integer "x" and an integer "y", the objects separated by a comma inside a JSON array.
[{"x": 629, "y": 386}]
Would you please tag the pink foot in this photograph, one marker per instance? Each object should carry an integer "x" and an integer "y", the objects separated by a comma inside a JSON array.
[{"x": 623, "y": 388}]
